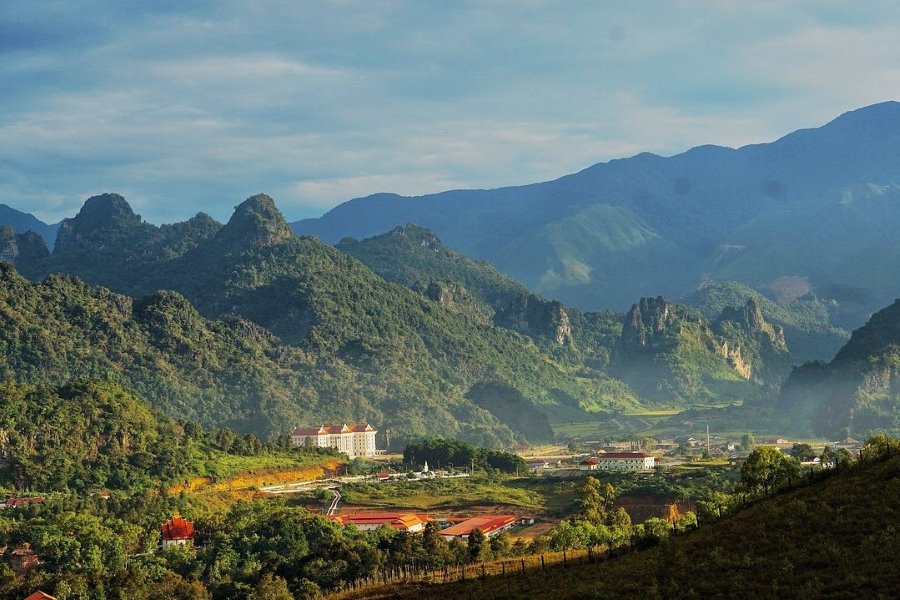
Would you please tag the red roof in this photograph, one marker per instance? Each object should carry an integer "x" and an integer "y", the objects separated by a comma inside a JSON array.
[
  {"x": 177, "y": 528},
  {"x": 590, "y": 461},
  {"x": 485, "y": 524},
  {"x": 39, "y": 595},
  {"x": 13, "y": 502},
  {"x": 625, "y": 455}
]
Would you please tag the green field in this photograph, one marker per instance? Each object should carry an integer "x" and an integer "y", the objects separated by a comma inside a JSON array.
[{"x": 546, "y": 495}]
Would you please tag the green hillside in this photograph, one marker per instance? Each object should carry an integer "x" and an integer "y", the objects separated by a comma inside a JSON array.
[
  {"x": 858, "y": 392},
  {"x": 88, "y": 436}
]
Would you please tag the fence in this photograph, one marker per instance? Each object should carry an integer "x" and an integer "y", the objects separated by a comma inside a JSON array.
[{"x": 521, "y": 568}]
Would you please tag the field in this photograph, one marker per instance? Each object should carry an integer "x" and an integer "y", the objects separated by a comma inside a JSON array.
[{"x": 543, "y": 496}]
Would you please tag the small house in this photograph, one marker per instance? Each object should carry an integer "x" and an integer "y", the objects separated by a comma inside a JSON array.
[
  {"x": 39, "y": 595},
  {"x": 589, "y": 464},
  {"x": 177, "y": 531},
  {"x": 23, "y": 559}
]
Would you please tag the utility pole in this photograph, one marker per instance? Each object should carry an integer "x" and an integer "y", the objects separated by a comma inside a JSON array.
[{"x": 707, "y": 440}]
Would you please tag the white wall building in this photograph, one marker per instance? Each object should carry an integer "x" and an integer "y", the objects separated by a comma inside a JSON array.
[
  {"x": 626, "y": 461},
  {"x": 354, "y": 439}
]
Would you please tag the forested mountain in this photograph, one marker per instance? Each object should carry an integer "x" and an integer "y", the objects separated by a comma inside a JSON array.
[
  {"x": 804, "y": 213},
  {"x": 856, "y": 393},
  {"x": 358, "y": 347},
  {"x": 309, "y": 333},
  {"x": 680, "y": 357},
  {"x": 22, "y": 222},
  {"x": 806, "y": 321},
  {"x": 670, "y": 354}
]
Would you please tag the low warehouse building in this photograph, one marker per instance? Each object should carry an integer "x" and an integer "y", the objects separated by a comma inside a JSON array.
[{"x": 489, "y": 526}]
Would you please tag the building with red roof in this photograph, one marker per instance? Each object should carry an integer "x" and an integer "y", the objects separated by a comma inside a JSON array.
[
  {"x": 626, "y": 461},
  {"x": 39, "y": 595},
  {"x": 177, "y": 531},
  {"x": 489, "y": 525},
  {"x": 402, "y": 522},
  {"x": 589, "y": 464},
  {"x": 353, "y": 439},
  {"x": 17, "y": 502}
]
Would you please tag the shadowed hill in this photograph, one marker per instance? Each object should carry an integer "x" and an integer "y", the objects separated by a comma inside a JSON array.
[{"x": 856, "y": 393}]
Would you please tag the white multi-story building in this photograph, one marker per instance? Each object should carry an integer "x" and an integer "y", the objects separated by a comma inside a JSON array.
[
  {"x": 626, "y": 461},
  {"x": 354, "y": 439}
]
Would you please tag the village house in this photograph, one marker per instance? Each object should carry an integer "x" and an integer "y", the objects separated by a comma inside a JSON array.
[
  {"x": 354, "y": 439},
  {"x": 177, "y": 531},
  {"x": 18, "y": 502},
  {"x": 367, "y": 521},
  {"x": 589, "y": 464},
  {"x": 626, "y": 461},
  {"x": 773, "y": 441},
  {"x": 23, "y": 559}
]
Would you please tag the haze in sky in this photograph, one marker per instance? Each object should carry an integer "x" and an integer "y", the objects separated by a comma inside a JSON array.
[{"x": 189, "y": 106}]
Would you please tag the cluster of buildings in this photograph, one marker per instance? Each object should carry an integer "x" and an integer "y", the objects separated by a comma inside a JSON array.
[
  {"x": 412, "y": 523},
  {"x": 624, "y": 462},
  {"x": 353, "y": 439}
]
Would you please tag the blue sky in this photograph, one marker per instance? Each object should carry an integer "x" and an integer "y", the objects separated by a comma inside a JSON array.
[{"x": 190, "y": 106}]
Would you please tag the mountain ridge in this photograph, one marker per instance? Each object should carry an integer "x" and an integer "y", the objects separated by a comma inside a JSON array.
[{"x": 650, "y": 225}]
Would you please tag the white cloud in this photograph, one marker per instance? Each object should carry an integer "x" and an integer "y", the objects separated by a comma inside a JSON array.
[{"x": 321, "y": 102}]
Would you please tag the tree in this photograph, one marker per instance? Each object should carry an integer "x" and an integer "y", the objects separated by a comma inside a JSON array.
[
  {"x": 478, "y": 547},
  {"x": 767, "y": 469},
  {"x": 748, "y": 442},
  {"x": 879, "y": 447},
  {"x": 648, "y": 444},
  {"x": 271, "y": 587},
  {"x": 803, "y": 452},
  {"x": 596, "y": 500}
]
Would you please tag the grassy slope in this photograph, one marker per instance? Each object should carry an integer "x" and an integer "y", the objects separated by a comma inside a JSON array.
[{"x": 835, "y": 539}]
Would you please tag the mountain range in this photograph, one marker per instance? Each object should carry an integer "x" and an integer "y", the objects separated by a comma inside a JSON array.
[
  {"x": 814, "y": 212},
  {"x": 248, "y": 325},
  {"x": 407, "y": 331}
]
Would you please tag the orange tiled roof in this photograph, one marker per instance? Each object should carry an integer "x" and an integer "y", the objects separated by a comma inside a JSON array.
[
  {"x": 395, "y": 520},
  {"x": 177, "y": 528},
  {"x": 485, "y": 524},
  {"x": 39, "y": 595}
]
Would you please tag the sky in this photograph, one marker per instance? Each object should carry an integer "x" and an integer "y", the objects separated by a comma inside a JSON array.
[{"x": 187, "y": 106}]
